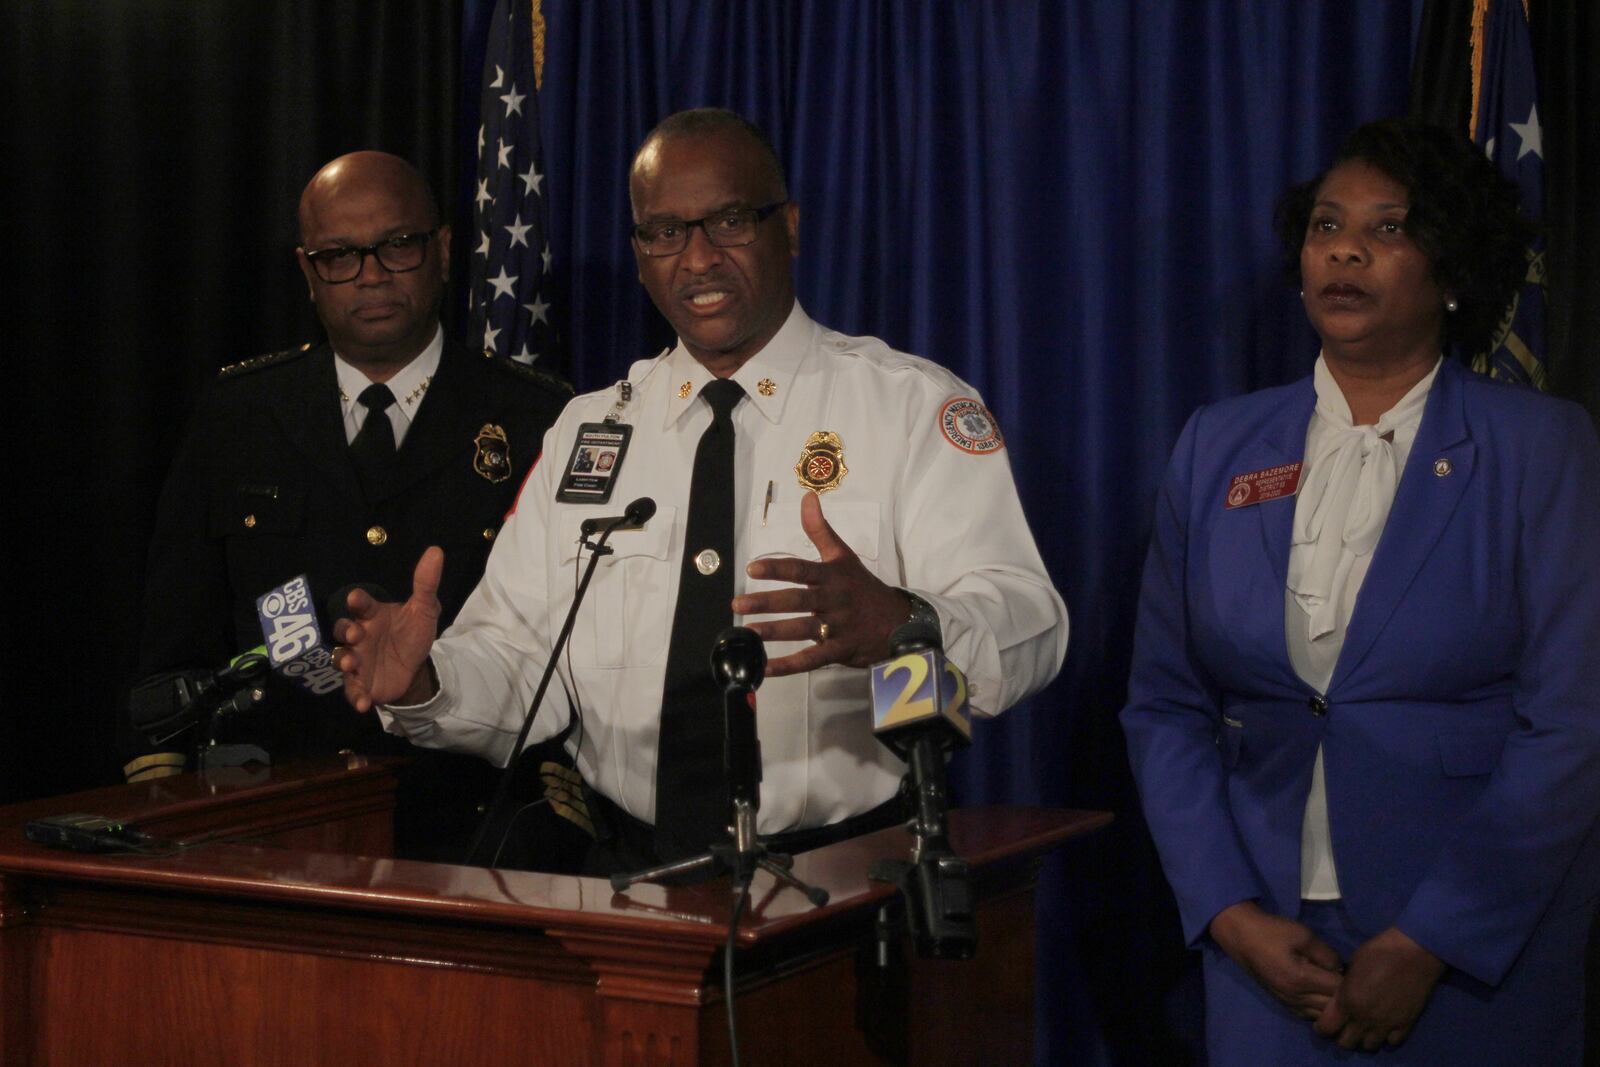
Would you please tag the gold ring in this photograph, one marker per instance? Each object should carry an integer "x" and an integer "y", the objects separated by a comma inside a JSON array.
[{"x": 822, "y": 632}]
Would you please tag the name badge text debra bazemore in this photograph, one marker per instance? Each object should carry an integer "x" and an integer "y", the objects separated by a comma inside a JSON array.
[{"x": 1260, "y": 486}]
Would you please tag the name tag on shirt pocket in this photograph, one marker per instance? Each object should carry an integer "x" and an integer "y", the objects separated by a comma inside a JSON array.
[
  {"x": 629, "y": 604},
  {"x": 257, "y": 510}
]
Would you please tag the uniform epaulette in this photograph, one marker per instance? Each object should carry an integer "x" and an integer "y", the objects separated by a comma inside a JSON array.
[
  {"x": 233, "y": 370},
  {"x": 528, "y": 373}
]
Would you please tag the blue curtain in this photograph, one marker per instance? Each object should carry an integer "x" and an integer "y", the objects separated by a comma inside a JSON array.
[{"x": 1067, "y": 202}]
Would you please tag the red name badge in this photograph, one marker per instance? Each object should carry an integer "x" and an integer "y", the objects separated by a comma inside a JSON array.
[{"x": 1259, "y": 486}]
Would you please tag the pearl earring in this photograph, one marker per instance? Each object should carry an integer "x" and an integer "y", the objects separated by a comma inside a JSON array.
[{"x": 1450, "y": 305}]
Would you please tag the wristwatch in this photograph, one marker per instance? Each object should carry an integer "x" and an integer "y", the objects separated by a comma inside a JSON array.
[{"x": 922, "y": 611}]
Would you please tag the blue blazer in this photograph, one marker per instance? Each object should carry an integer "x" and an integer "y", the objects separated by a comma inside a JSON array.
[{"x": 1461, "y": 727}]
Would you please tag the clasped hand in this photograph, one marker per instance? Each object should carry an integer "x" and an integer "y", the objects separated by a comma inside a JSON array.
[{"x": 1376, "y": 999}]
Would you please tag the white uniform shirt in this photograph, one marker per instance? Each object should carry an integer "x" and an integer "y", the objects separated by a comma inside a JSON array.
[{"x": 922, "y": 511}]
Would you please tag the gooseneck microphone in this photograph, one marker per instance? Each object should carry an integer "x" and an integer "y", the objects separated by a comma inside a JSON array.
[{"x": 633, "y": 516}]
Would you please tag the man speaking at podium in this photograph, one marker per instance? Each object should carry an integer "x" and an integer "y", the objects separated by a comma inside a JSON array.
[
  {"x": 341, "y": 462},
  {"x": 821, "y": 489}
]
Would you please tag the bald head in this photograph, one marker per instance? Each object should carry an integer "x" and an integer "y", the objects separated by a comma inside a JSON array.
[
  {"x": 360, "y": 171},
  {"x": 710, "y": 124},
  {"x": 379, "y": 208}
]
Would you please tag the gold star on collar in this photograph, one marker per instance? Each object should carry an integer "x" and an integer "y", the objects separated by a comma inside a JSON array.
[{"x": 684, "y": 390}]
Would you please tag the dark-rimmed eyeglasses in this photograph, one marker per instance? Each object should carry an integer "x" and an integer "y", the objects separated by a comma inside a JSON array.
[
  {"x": 732, "y": 228},
  {"x": 399, "y": 254}
]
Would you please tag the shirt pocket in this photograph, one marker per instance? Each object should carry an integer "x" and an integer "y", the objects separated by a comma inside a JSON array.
[
  {"x": 856, "y": 522},
  {"x": 630, "y": 601}
]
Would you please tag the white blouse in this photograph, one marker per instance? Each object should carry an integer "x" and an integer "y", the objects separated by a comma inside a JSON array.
[{"x": 1347, "y": 487}]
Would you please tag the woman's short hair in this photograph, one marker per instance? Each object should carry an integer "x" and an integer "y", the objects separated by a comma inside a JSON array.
[{"x": 1464, "y": 216}]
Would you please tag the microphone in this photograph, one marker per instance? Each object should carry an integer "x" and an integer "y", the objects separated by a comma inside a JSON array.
[
  {"x": 164, "y": 705},
  {"x": 930, "y": 699},
  {"x": 919, "y": 710},
  {"x": 295, "y": 647},
  {"x": 738, "y": 664},
  {"x": 637, "y": 514},
  {"x": 633, "y": 516}
]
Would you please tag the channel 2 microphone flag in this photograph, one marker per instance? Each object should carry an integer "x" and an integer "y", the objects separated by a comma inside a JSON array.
[
  {"x": 1505, "y": 122},
  {"x": 510, "y": 290}
]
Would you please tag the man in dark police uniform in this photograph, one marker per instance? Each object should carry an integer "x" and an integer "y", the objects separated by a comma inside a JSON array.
[{"x": 343, "y": 461}]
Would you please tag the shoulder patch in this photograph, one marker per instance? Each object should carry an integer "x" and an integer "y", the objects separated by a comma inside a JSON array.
[
  {"x": 271, "y": 359},
  {"x": 550, "y": 382},
  {"x": 968, "y": 425}
]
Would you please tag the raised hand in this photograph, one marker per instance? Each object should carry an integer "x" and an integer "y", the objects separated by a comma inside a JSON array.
[
  {"x": 384, "y": 646},
  {"x": 1285, "y": 957},
  {"x": 838, "y": 604}
]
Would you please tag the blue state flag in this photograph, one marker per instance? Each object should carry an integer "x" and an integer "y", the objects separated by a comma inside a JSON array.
[
  {"x": 508, "y": 302},
  {"x": 1506, "y": 123}
]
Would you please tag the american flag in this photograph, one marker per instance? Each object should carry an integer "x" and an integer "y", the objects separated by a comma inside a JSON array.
[
  {"x": 509, "y": 299},
  {"x": 1505, "y": 121}
]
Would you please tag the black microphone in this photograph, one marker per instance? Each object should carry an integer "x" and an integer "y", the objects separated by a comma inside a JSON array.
[
  {"x": 919, "y": 711},
  {"x": 738, "y": 664},
  {"x": 633, "y": 516},
  {"x": 164, "y": 705}
]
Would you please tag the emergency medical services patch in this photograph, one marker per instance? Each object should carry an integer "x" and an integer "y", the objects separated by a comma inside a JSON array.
[{"x": 968, "y": 425}]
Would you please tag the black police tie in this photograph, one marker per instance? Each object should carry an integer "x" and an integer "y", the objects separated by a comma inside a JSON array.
[
  {"x": 691, "y": 788},
  {"x": 373, "y": 448}
]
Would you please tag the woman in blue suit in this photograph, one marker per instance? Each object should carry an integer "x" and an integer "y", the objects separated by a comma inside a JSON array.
[{"x": 1364, "y": 713}]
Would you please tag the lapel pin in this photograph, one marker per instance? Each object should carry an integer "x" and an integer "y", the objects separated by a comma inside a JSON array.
[{"x": 1441, "y": 467}]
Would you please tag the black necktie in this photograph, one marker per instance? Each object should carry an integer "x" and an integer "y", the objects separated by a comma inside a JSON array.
[
  {"x": 373, "y": 448},
  {"x": 691, "y": 789}
]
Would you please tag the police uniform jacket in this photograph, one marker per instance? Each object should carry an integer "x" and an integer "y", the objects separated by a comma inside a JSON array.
[
  {"x": 264, "y": 489},
  {"x": 923, "y": 493}
]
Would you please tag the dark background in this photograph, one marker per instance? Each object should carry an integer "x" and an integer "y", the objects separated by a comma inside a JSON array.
[{"x": 1066, "y": 202}]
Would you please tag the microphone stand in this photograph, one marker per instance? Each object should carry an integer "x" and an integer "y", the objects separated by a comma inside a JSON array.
[
  {"x": 738, "y": 661},
  {"x": 597, "y": 549}
]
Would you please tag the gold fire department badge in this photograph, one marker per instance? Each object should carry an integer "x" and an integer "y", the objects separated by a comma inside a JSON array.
[{"x": 821, "y": 465}]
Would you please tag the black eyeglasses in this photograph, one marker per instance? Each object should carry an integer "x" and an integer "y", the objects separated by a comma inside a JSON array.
[
  {"x": 398, "y": 254},
  {"x": 725, "y": 229}
]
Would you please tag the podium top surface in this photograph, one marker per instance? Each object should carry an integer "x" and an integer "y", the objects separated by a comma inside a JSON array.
[{"x": 991, "y": 839}]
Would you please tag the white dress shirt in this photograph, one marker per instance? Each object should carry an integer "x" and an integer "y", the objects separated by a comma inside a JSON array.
[
  {"x": 921, "y": 511},
  {"x": 409, "y": 385}
]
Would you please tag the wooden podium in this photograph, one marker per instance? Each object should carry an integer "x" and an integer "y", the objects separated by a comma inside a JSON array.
[{"x": 288, "y": 937}]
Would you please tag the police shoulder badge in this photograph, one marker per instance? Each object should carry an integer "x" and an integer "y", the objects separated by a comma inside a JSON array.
[
  {"x": 821, "y": 465},
  {"x": 493, "y": 458},
  {"x": 968, "y": 425}
]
